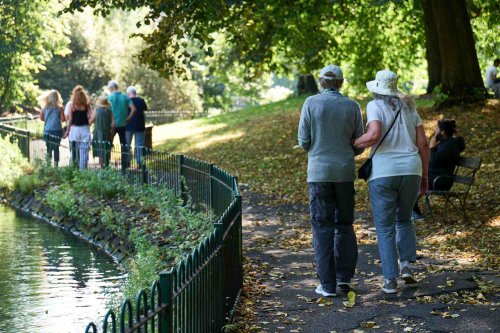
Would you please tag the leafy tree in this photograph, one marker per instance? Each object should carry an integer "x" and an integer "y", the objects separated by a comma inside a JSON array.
[
  {"x": 175, "y": 94},
  {"x": 82, "y": 66},
  {"x": 30, "y": 35},
  {"x": 303, "y": 35}
]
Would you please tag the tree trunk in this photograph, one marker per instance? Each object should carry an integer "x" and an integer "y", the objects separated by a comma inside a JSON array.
[
  {"x": 307, "y": 85},
  {"x": 6, "y": 90},
  {"x": 460, "y": 73},
  {"x": 431, "y": 47}
]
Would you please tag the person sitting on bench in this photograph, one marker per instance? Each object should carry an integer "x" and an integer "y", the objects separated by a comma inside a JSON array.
[
  {"x": 491, "y": 79},
  {"x": 445, "y": 149}
]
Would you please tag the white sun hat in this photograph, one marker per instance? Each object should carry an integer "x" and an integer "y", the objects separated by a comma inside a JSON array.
[
  {"x": 385, "y": 83},
  {"x": 335, "y": 70}
]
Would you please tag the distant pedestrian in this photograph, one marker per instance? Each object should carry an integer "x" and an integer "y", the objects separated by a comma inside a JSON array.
[
  {"x": 52, "y": 114},
  {"x": 491, "y": 80},
  {"x": 328, "y": 125},
  {"x": 399, "y": 171},
  {"x": 120, "y": 104},
  {"x": 78, "y": 127},
  {"x": 136, "y": 126},
  {"x": 67, "y": 111},
  {"x": 103, "y": 126}
]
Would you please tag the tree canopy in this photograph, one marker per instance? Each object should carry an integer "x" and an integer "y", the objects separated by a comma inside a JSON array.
[
  {"x": 31, "y": 35},
  {"x": 221, "y": 51},
  {"x": 303, "y": 35}
]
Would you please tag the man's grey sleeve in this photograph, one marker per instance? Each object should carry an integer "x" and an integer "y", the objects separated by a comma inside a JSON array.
[
  {"x": 359, "y": 130},
  {"x": 304, "y": 134}
]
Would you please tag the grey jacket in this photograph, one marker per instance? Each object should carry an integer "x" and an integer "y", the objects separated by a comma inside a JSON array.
[{"x": 328, "y": 124}]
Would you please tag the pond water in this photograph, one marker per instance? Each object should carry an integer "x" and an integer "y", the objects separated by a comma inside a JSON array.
[{"x": 50, "y": 280}]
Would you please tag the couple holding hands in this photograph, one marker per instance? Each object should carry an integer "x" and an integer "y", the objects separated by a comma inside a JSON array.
[{"x": 331, "y": 131}]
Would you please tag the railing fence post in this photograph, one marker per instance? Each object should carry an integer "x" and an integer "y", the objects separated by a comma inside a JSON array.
[
  {"x": 182, "y": 179},
  {"x": 144, "y": 171},
  {"x": 166, "y": 292},
  {"x": 221, "y": 308},
  {"x": 74, "y": 153},
  {"x": 28, "y": 142},
  {"x": 211, "y": 185}
]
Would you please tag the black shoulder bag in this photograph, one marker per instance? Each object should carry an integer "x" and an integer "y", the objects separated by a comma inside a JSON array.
[{"x": 365, "y": 170}]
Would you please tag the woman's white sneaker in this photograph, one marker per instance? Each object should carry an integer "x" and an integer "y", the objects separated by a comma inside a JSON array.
[
  {"x": 407, "y": 275},
  {"x": 390, "y": 286}
]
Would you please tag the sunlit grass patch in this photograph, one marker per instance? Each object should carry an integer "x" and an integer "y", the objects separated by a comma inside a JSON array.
[{"x": 262, "y": 156}]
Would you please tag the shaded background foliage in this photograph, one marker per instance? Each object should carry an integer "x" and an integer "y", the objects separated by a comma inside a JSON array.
[
  {"x": 201, "y": 55},
  {"x": 30, "y": 35}
]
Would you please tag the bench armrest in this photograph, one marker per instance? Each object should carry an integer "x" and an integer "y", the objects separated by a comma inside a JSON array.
[{"x": 438, "y": 178}]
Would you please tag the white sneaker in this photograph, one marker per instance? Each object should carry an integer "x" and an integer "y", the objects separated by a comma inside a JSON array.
[
  {"x": 390, "y": 286},
  {"x": 407, "y": 275},
  {"x": 319, "y": 290}
]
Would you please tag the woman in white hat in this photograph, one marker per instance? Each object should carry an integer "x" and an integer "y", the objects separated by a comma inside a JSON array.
[{"x": 399, "y": 171}]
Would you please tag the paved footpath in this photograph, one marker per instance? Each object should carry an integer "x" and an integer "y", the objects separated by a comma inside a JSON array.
[{"x": 277, "y": 241}]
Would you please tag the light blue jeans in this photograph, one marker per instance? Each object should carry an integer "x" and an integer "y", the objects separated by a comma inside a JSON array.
[
  {"x": 139, "y": 142},
  {"x": 392, "y": 200}
]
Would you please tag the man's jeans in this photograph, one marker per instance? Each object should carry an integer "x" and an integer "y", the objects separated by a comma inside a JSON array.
[
  {"x": 139, "y": 142},
  {"x": 392, "y": 200},
  {"x": 334, "y": 240}
]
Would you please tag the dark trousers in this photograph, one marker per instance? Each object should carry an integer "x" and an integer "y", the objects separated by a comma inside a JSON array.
[
  {"x": 334, "y": 239},
  {"x": 52, "y": 141},
  {"x": 124, "y": 148}
]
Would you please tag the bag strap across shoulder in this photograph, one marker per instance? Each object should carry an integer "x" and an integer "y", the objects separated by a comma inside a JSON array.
[{"x": 388, "y": 130}]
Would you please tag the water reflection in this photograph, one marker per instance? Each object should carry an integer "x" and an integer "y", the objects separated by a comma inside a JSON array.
[{"x": 50, "y": 281}]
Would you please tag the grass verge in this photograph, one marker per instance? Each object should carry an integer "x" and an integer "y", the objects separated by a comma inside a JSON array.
[{"x": 256, "y": 144}]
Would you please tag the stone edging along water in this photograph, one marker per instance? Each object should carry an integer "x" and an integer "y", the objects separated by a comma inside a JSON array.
[{"x": 28, "y": 204}]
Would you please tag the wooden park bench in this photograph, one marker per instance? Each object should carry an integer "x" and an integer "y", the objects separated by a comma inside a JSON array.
[{"x": 463, "y": 178}]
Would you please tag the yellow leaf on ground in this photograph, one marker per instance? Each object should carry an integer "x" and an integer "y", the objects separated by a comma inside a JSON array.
[{"x": 351, "y": 297}]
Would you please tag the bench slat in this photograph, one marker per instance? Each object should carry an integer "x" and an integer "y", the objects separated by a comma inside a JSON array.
[
  {"x": 470, "y": 162},
  {"x": 463, "y": 180}
]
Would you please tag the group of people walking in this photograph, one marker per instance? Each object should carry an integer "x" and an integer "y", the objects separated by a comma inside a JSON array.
[
  {"x": 116, "y": 113},
  {"x": 331, "y": 131}
]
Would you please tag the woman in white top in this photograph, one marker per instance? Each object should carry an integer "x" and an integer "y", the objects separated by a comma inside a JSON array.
[{"x": 399, "y": 171}]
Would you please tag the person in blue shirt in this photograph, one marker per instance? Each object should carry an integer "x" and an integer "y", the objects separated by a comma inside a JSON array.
[
  {"x": 136, "y": 127},
  {"x": 120, "y": 104},
  {"x": 52, "y": 114}
]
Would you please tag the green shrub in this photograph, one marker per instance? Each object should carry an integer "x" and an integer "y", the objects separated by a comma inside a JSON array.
[
  {"x": 143, "y": 268},
  {"x": 27, "y": 183},
  {"x": 103, "y": 183},
  {"x": 12, "y": 163},
  {"x": 62, "y": 199}
]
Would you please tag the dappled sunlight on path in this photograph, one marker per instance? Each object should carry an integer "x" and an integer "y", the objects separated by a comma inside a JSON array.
[{"x": 280, "y": 279}]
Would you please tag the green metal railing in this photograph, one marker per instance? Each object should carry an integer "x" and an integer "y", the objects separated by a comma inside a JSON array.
[
  {"x": 199, "y": 294},
  {"x": 19, "y": 137}
]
